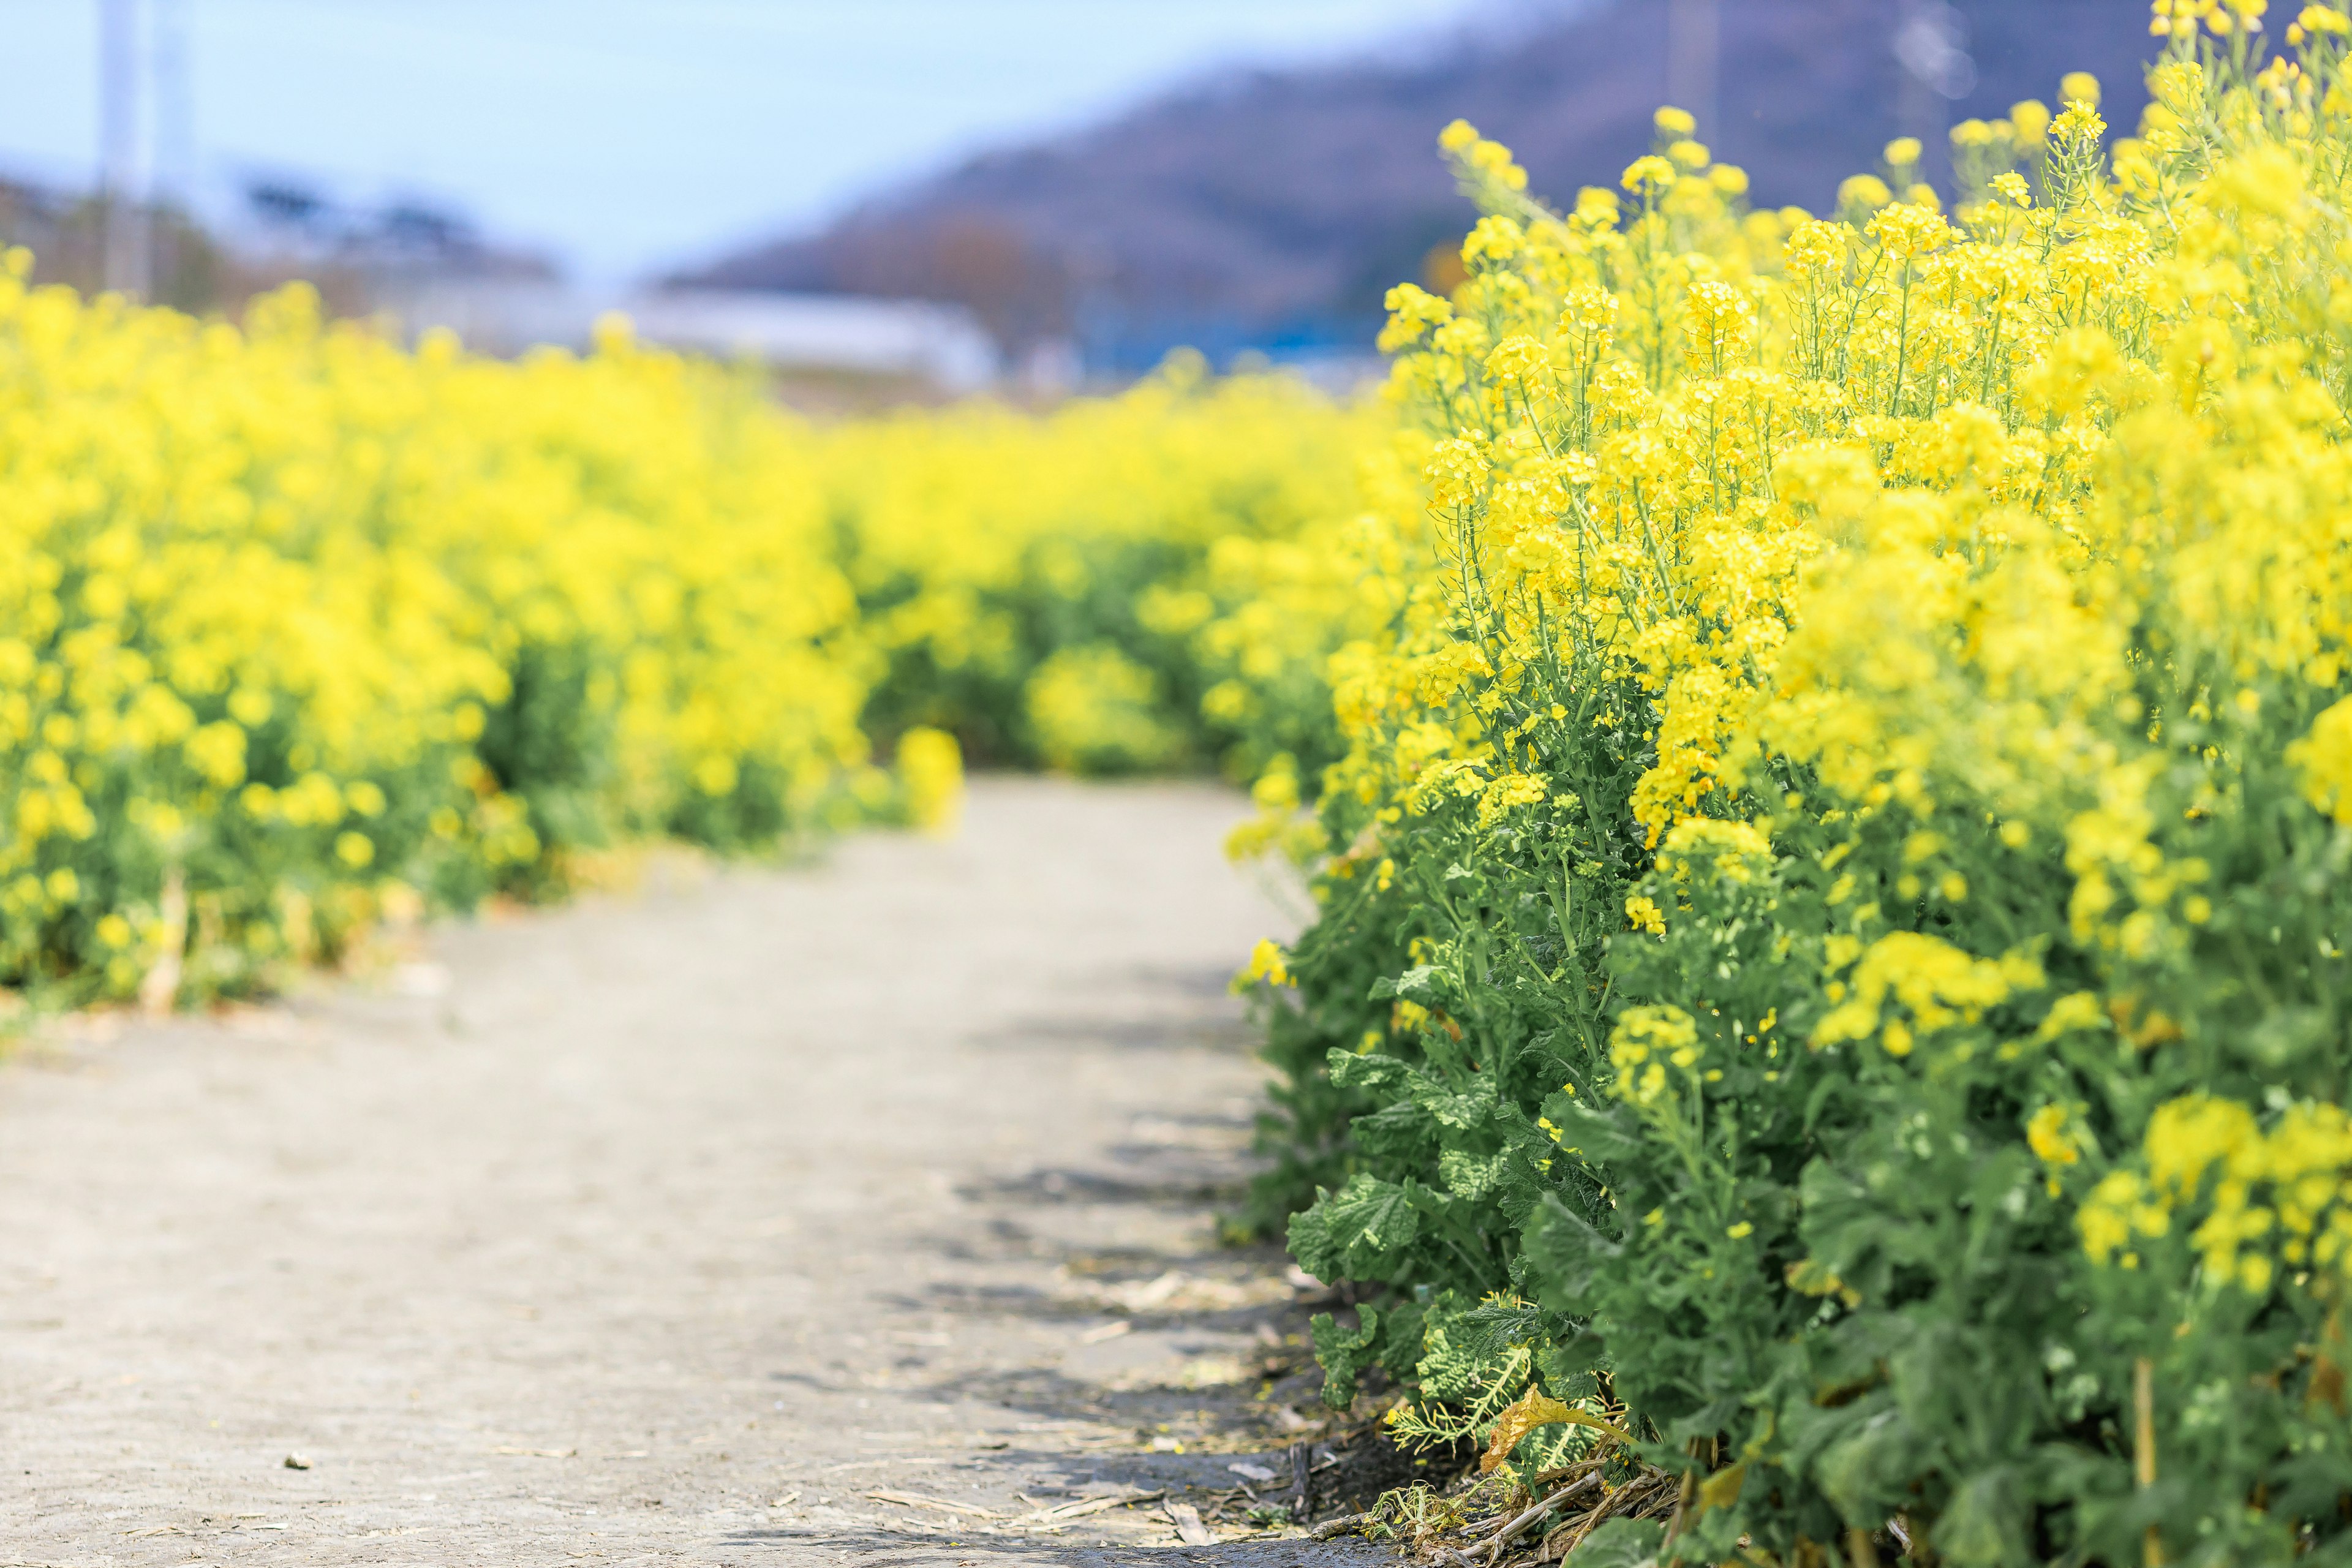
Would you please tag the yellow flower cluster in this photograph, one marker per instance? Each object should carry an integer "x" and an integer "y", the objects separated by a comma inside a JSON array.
[
  {"x": 299, "y": 628},
  {"x": 1884, "y": 499},
  {"x": 2281, "y": 1199},
  {"x": 1122, "y": 584},
  {"x": 293, "y": 623},
  {"x": 1925, "y": 631},
  {"x": 1936, "y": 985},
  {"x": 1645, "y": 1043},
  {"x": 2224, "y": 18}
]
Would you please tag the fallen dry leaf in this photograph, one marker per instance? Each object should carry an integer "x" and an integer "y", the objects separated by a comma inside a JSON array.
[
  {"x": 1189, "y": 1528},
  {"x": 1176, "y": 1291}
]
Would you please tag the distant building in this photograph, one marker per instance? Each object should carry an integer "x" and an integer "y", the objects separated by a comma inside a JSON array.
[{"x": 943, "y": 345}]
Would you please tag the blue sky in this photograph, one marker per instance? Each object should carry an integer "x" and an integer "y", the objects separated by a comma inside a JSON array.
[{"x": 622, "y": 135}]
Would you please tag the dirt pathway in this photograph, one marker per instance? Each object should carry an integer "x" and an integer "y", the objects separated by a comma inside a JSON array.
[{"x": 673, "y": 1227}]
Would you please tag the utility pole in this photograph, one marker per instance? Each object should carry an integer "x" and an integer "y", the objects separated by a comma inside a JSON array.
[
  {"x": 1695, "y": 61},
  {"x": 121, "y": 202}
]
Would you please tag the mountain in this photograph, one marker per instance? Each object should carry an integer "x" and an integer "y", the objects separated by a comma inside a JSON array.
[{"x": 1272, "y": 209}]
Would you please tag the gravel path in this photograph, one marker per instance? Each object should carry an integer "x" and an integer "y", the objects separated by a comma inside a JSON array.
[{"x": 673, "y": 1227}]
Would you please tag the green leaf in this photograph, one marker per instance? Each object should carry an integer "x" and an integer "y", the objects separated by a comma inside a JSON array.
[
  {"x": 1984, "y": 1524},
  {"x": 1343, "y": 1354},
  {"x": 1466, "y": 1175},
  {"x": 1371, "y": 1223},
  {"x": 1349, "y": 1070},
  {"x": 1400, "y": 1339},
  {"x": 1568, "y": 1254},
  {"x": 1621, "y": 1543},
  {"x": 1865, "y": 1475},
  {"x": 1414, "y": 985},
  {"x": 1463, "y": 1113},
  {"x": 1597, "y": 1136},
  {"x": 1400, "y": 1131},
  {"x": 1311, "y": 1242}
]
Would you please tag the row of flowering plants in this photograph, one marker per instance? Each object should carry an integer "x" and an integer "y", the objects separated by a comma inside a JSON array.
[
  {"x": 298, "y": 630},
  {"x": 1830, "y": 1000},
  {"x": 302, "y": 629}
]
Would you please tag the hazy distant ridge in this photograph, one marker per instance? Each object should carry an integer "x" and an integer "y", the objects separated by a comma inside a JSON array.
[{"x": 1273, "y": 208}]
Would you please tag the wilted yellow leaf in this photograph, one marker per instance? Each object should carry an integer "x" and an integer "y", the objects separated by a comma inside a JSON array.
[{"x": 1533, "y": 1409}]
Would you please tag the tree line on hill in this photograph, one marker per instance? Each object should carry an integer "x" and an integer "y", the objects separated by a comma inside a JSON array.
[{"x": 1272, "y": 209}]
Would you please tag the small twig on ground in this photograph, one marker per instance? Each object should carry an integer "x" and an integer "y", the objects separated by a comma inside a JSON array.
[
  {"x": 937, "y": 1505},
  {"x": 1503, "y": 1537},
  {"x": 1616, "y": 1502},
  {"x": 1064, "y": 1512},
  {"x": 1592, "y": 1461},
  {"x": 1346, "y": 1524},
  {"x": 1481, "y": 1529}
]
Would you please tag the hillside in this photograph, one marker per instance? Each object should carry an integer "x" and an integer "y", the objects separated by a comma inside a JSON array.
[{"x": 1273, "y": 209}]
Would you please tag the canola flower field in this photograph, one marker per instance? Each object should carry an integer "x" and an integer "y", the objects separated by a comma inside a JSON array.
[
  {"x": 1823, "y": 745},
  {"x": 299, "y": 632},
  {"x": 1826, "y": 1032}
]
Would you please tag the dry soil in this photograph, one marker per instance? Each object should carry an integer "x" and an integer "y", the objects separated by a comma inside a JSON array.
[{"x": 862, "y": 1211}]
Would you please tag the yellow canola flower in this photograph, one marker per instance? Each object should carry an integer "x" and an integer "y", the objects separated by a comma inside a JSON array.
[
  {"x": 931, "y": 764},
  {"x": 2324, "y": 757},
  {"x": 1992, "y": 553},
  {"x": 2265, "y": 1200},
  {"x": 1759, "y": 480},
  {"x": 292, "y": 615},
  {"x": 1646, "y": 1044},
  {"x": 1648, "y": 173},
  {"x": 1268, "y": 962},
  {"x": 1935, "y": 983}
]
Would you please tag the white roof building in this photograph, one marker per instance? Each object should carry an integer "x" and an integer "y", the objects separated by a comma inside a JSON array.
[{"x": 944, "y": 345}]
